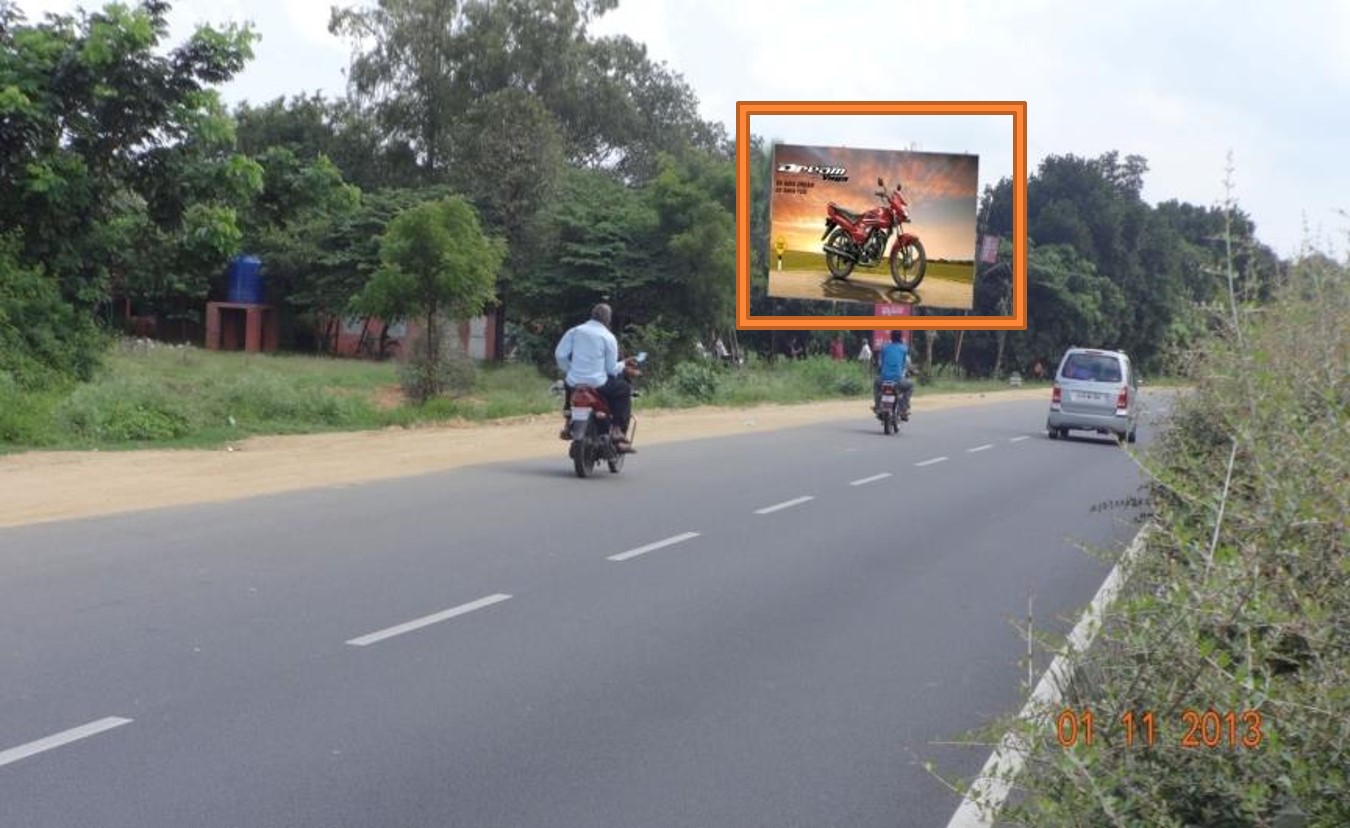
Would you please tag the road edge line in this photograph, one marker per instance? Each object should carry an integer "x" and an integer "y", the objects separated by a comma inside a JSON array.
[{"x": 983, "y": 802}]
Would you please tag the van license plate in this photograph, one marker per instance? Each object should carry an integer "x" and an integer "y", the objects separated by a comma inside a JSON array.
[
  {"x": 1087, "y": 396},
  {"x": 580, "y": 414}
]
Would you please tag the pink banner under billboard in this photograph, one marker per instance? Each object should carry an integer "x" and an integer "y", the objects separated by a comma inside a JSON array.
[{"x": 880, "y": 338}]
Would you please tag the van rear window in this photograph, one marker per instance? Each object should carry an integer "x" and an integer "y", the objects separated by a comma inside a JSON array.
[{"x": 1092, "y": 367}]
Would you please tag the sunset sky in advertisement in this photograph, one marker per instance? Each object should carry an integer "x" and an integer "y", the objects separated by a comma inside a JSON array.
[{"x": 941, "y": 190}]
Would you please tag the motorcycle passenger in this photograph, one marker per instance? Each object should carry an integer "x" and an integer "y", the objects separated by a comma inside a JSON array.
[
  {"x": 588, "y": 354},
  {"x": 894, "y": 359}
]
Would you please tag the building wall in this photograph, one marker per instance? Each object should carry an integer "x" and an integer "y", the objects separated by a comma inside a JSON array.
[{"x": 477, "y": 336}]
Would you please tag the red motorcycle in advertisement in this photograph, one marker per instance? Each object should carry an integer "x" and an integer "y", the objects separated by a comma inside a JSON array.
[{"x": 853, "y": 239}]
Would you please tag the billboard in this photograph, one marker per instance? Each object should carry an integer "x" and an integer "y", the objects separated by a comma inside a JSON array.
[{"x": 892, "y": 227}]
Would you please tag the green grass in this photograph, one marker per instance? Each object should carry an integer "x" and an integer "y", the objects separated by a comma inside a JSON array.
[
  {"x": 962, "y": 272},
  {"x": 786, "y": 381},
  {"x": 168, "y": 398}
]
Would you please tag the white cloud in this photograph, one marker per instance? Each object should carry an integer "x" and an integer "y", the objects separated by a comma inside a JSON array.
[{"x": 309, "y": 18}]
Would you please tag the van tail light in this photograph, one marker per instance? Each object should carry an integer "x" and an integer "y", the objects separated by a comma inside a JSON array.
[
  {"x": 1123, "y": 401},
  {"x": 1056, "y": 395}
]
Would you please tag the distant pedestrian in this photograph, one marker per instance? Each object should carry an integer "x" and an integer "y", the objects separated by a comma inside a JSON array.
[
  {"x": 865, "y": 354},
  {"x": 723, "y": 355},
  {"x": 837, "y": 349}
]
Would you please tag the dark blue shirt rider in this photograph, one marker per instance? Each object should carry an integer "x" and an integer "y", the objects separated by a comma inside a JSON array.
[{"x": 894, "y": 359}]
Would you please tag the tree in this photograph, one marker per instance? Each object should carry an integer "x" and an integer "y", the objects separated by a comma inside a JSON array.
[
  {"x": 511, "y": 155},
  {"x": 95, "y": 126},
  {"x": 436, "y": 261},
  {"x": 419, "y": 65},
  {"x": 695, "y": 267},
  {"x": 594, "y": 243},
  {"x": 338, "y": 253}
]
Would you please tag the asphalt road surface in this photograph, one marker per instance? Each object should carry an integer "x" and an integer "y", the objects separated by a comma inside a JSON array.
[{"x": 773, "y": 630}]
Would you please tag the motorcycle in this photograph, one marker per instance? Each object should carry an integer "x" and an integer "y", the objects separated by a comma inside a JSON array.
[
  {"x": 587, "y": 425},
  {"x": 889, "y": 411},
  {"x": 853, "y": 239}
]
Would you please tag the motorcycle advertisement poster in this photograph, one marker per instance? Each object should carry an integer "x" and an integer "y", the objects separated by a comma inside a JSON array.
[{"x": 874, "y": 226}]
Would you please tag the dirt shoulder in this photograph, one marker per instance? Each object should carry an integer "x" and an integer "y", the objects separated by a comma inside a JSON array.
[{"x": 47, "y": 486}]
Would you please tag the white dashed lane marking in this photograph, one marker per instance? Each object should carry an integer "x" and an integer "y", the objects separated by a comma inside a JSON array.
[
  {"x": 786, "y": 504},
  {"x": 427, "y": 620},
  {"x": 56, "y": 740},
  {"x": 652, "y": 547}
]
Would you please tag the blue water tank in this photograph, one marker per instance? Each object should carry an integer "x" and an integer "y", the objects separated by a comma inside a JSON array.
[{"x": 245, "y": 285}]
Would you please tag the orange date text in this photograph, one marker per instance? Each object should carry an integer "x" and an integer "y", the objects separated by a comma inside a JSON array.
[{"x": 1193, "y": 729}]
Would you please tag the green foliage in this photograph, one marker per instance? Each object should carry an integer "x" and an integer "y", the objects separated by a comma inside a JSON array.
[
  {"x": 43, "y": 340},
  {"x": 662, "y": 254},
  {"x": 131, "y": 411},
  {"x": 696, "y": 380},
  {"x": 1143, "y": 273},
  {"x": 106, "y": 142},
  {"x": 435, "y": 260},
  {"x": 594, "y": 246},
  {"x": 1240, "y": 598},
  {"x": 425, "y": 375},
  {"x": 422, "y": 64}
]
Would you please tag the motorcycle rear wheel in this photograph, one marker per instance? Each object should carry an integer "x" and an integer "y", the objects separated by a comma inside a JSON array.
[
  {"x": 909, "y": 264},
  {"x": 580, "y": 462},
  {"x": 839, "y": 267}
]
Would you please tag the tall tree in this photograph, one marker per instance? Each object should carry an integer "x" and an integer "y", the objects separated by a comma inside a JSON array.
[
  {"x": 94, "y": 117},
  {"x": 420, "y": 65},
  {"x": 436, "y": 261}
]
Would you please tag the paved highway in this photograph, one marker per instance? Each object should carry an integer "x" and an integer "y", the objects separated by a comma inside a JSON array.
[{"x": 773, "y": 630}]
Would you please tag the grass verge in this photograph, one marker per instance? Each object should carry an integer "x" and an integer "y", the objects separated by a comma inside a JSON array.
[
  {"x": 184, "y": 398},
  {"x": 1232, "y": 636}
]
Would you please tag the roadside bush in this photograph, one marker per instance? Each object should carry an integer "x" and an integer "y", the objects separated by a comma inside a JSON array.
[
  {"x": 44, "y": 341},
  {"x": 826, "y": 377},
  {"x": 132, "y": 410},
  {"x": 425, "y": 375},
  {"x": 851, "y": 384},
  {"x": 1240, "y": 600},
  {"x": 25, "y": 417},
  {"x": 696, "y": 380}
]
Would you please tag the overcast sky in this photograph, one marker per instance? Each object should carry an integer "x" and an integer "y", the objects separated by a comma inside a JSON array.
[{"x": 1180, "y": 83}]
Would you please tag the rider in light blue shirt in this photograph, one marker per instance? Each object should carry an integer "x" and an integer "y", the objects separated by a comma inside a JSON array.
[
  {"x": 894, "y": 359},
  {"x": 589, "y": 355}
]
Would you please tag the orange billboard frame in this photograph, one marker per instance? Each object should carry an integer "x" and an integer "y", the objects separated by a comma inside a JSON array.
[{"x": 1016, "y": 322}]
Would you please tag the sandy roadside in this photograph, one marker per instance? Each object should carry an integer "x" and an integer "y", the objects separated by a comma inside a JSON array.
[{"x": 47, "y": 486}]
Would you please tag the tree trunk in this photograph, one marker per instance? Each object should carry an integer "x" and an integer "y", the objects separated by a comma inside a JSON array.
[
  {"x": 960, "y": 337},
  {"x": 998, "y": 360},
  {"x": 361, "y": 341},
  {"x": 929, "y": 338}
]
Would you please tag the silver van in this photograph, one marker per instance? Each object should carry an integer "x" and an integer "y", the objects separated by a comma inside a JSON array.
[{"x": 1095, "y": 390}]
